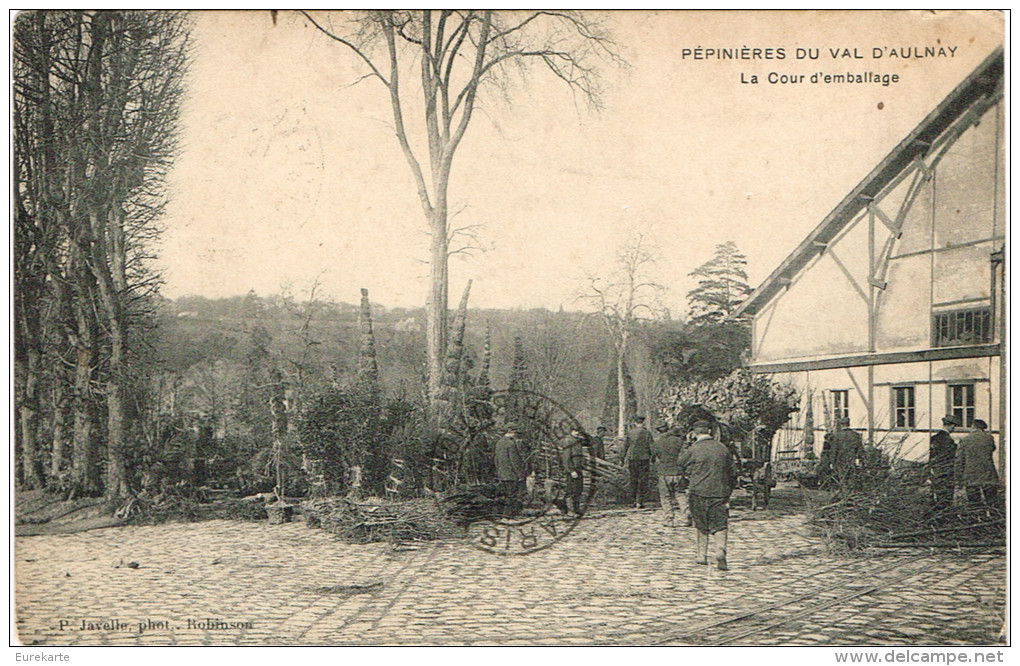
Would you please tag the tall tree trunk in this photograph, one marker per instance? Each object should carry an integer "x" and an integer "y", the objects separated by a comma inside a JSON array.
[
  {"x": 60, "y": 404},
  {"x": 116, "y": 470},
  {"x": 621, "y": 390},
  {"x": 59, "y": 445},
  {"x": 28, "y": 411},
  {"x": 83, "y": 464},
  {"x": 436, "y": 305}
]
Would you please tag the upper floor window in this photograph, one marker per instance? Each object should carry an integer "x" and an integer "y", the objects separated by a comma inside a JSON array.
[
  {"x": 962, "y": 327},
  {"x": 840, "y": 404}
]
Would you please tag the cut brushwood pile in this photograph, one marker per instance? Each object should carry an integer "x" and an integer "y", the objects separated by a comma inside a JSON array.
[
  {"x": 466, "y": 504},
  {"x": 374, "y": 520},
  {"x": 185, "y": 505},
  {"x": 41, "y": 512},
  {"x": 887, "y": 513}
]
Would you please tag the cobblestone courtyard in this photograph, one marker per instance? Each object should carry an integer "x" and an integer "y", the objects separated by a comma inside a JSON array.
[{"x": 620, "y": 578}]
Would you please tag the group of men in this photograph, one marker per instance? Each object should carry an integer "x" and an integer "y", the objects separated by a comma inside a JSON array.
[
  {"x": 968, "y": 464},
  {"x": 697, "y": 474},
  {"x": 514, "y": 469},
  {"x": 700, "y": 465}
]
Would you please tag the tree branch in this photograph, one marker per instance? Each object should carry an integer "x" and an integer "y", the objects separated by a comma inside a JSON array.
[
  {"x": 470, "y": 89},
  {"x": 348, "y": 44},
  {"x": 398, "y": 118}
]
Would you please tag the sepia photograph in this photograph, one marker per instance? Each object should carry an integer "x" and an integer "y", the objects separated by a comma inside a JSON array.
[{"x": 510, "y": 328}]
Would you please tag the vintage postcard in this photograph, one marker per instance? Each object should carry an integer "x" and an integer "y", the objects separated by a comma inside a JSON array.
[{"x": 510, "y": 328}]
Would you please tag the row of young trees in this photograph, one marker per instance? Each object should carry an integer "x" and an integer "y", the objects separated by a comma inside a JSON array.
[{"x": 95, "y": 106}]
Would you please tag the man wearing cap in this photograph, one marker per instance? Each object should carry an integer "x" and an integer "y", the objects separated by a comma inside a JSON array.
[
  {"x": 941, "y": 461},
  {"x": 665, "y": 453},
  {"x": 572, "y": 457},
  {"x": 637, "y": 453},
  {"x": 511, "y": 467},
  {"x": 709, "y": 465},
  {"x": 975, "y": 466}
]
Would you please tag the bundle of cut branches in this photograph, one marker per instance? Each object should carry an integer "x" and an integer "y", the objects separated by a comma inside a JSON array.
[
  {"x": 174, "y": 507},
  {"x": 374, "y": 520},
  {"x": 884, "y": 510},
  {"x": 465, "y": 504}
]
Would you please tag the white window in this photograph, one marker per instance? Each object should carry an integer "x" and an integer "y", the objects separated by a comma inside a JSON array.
[
  {"x": 961, "y": 403},
  {"x": 840, "y": 404},
  {"x": 903, "y": 407},
  {"x": 961, "y": 327}
]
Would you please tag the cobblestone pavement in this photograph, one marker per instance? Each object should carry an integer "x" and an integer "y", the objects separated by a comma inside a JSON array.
[{"x": 620, "y": 578}]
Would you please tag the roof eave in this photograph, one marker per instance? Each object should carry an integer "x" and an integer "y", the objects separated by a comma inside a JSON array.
[{"x": 983, "y": 80}]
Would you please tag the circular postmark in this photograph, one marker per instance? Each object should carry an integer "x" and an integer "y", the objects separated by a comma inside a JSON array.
[{"x": 533, "y": 433}]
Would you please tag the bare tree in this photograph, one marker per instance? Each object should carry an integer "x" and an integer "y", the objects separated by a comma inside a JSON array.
[
  {"x": 458, "y": 52},
  {"x": 101, "y": 90},
  {"x": 621, "y": 301},
  {"x": 302, "y": 356},
  {"x": 650, "y": 376}
]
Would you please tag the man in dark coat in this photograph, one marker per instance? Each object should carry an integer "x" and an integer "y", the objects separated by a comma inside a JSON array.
[
  {"x": 844, "y": 452},
  {"x": 941, "y": 460},
  {"x": 598, "y": 443},
  {"x": 975, "y": 466},
  {"x": 637, "y": 453},
  {"x": 709, "y": 465},
  {"x": 665, "y": 452},
  {"x": 511, "y": 466},
  {"x": 572, "y": 457}
]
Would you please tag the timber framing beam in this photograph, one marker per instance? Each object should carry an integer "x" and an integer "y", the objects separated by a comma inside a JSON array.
[
  {"x": 849, "y": 276},
  {"x": 894, "y": 227},
  {"x": 977, "y": 93},
  {"x": 888, "y": 358}
]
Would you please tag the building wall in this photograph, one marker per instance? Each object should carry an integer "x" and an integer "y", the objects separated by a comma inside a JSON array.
[
  {"x": 940, "y": 263},
  {"x": 822, "y": 313},
  {"x": 931, "y": 383}
]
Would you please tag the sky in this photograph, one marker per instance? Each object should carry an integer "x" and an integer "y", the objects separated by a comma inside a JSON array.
[{"x": 290, "y": 174}]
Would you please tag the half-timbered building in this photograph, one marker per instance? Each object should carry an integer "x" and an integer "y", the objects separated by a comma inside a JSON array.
[{"x": 891, "y": 312}]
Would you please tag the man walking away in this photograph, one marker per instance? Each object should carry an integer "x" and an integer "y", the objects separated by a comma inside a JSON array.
[
  {"x": 665, "y": 452},
  {"x": 709, "y": 465},
  {"x": 975, "y": 467},
  {"x": 637, "y": 452},
  {"x": 941, "y": 460},
  {"x": 572, "y": 456}
]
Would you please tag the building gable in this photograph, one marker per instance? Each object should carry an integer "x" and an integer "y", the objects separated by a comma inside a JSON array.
[{"x": 914, "y": 254}]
